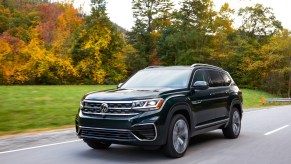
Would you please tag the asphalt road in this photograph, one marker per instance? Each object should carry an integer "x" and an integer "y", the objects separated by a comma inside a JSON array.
[{"x": 265, "y": 139}]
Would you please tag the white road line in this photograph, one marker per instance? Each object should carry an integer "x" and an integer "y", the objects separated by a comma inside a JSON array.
[
  {"x": 273, "y": 131},
  {"x": 35, "y": 147},
  {"x": 255, "y": 111}
]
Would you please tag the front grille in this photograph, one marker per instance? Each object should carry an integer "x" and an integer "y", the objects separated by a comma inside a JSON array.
[
  {"x": 109, "y": 134},
  {"x": 144, "y": 132},
  {"x": 120, "y": 105},
  {"x": 114, "y": 108}
]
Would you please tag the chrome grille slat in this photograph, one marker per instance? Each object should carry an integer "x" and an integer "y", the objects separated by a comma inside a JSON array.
[{"x": 115, "y": 108}]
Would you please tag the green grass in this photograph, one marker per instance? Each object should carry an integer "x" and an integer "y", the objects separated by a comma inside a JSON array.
[
  {"x": 252, "y": 98},
  {"x": 25, "y": 108}
]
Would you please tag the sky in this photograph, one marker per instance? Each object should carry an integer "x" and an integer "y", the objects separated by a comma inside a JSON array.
[{"x": 120, "y": 12}]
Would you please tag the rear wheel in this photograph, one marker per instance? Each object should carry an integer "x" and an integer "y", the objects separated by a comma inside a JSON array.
[
  {"x": 233, "y": 128},
  {"x": 178, "y": 137},
  {"x": 97, "y": 145}
]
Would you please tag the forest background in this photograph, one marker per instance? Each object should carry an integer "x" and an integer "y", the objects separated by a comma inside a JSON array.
[{"x": 47, "y": 42}]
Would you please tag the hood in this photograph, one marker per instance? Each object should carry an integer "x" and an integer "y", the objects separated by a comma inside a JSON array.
[{"x": 124, "y": 94}]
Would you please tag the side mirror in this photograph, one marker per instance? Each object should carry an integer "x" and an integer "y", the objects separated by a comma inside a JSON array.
[
  {"x": 200, "y": 85},
  {"x": 119, "y": 85}
]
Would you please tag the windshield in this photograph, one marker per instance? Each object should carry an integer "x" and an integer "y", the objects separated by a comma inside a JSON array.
[{"x": 158, "y": 78}]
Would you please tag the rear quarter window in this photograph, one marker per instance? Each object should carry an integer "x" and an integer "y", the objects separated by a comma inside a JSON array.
[
  {"x": 215, "y": 78},
  {"x": 226, "y": 78}
]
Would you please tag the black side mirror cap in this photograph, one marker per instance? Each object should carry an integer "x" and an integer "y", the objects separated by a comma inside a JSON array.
[
  {"x": 119, "y": 85},
  {"x": 200, "y": 85}
]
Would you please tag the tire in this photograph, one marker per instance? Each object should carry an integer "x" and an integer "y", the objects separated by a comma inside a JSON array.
[
  {"x": 178, "y": 137},
  {"x": 97, "y": 145},
  {"x": 234, "y": 126}
]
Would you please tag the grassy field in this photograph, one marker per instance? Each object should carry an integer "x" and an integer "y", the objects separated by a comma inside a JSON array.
[
  {"x": 252, "y": 98},
  {"x": 24, "y": 108}
]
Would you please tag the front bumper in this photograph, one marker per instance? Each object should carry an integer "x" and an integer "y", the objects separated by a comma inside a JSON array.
[{"x": 143, "y": 129}]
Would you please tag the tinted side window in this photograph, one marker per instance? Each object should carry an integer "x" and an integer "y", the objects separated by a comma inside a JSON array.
[
  {"x": 226, "y": 78},
  {"x": 215, "y": 78},
  {"x": 200, "y": 75}
]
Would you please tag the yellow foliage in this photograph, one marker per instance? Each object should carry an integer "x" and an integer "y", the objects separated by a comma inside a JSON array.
[
  {"x": 4, "y": 48},
  {"x": 99, "y": 76},
  {"x": 67, "y": 23},
  {"x": 98, "y": 38},
  {"x": 118, "y": 63}
]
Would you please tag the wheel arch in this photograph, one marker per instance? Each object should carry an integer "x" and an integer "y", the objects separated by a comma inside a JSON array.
[
  {"x": 237, "y": 104},
  {"x": 183, "y": 109}
]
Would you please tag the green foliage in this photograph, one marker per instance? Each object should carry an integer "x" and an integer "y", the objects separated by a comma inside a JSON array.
[
  {"x": 259, "y": 21},
  {"x": 199, "y": 34},
  {"x": 187, "y": 39},
  {"x": 150, "y": 17},
  {"x": 133, "y": 60}
]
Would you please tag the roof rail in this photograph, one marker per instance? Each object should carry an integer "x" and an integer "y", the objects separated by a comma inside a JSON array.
[
  {"x": 205, "y": 65},
  {"x": 149, "y": 67}
]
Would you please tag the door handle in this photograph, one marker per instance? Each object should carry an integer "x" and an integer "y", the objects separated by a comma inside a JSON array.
[
  {"x": 212, "y": 94},
  {"x": 197, "y": 102}
]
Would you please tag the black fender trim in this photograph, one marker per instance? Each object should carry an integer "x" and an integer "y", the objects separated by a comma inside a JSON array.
[
  {"x": 235, "y": 102},
  {"x": 180, "y": 107}
]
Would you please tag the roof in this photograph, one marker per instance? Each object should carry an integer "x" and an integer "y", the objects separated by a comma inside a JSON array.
[{"x": 185, "y": 67}]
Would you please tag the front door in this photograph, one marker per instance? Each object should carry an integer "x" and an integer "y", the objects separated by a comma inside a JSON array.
[{"x": 202, "y": 104}]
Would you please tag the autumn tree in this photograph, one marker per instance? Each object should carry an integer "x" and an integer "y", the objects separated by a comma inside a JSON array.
[
  {"x": 98, "y": 47},
  {"x": 25, "y": 56},
  {"x": 275, "y": 65},
  {"x": 47, "y": 28},
  {"x": 67, "y": 24},
  {"x": 258, "y": 25},
  {"x": 224, "y": 40}
]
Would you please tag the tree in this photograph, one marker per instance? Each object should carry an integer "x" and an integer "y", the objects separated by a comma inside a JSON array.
[
  {"x": 150, "y": 17},
  {"x": 187, "y": 39},
  {"x": 11, "y": 63},
  {"x": 222, "y": 50},
  {"x": 276, "y": 64},
  {"x": 98, "y": 46},
  {"x": 259, "y": 24},
  {"x": 67, "y": 23},
  {"x": 133, "y": 60},
  {"x": 259, "y": 21}
]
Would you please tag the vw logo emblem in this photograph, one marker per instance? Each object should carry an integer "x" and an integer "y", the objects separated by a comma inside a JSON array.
[{"x": 104, "y": 108}]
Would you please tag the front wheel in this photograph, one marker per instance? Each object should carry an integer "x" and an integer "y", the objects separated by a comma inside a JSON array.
[
  {"x": 178, "y": 137},
  {"x": 233, "y": 128},
  {"x": 96, "y": 144}
]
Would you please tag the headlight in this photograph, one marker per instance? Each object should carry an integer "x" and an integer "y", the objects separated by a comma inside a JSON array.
[
  {"x": 81, "y": 104},
  {"x": 147, "y": 105}
]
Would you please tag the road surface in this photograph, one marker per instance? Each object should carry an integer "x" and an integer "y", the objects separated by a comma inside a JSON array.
[{"x": 265, "y": 139}]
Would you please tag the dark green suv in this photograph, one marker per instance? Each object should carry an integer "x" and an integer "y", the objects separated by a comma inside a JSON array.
[{"x": 162, "y": 107}]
